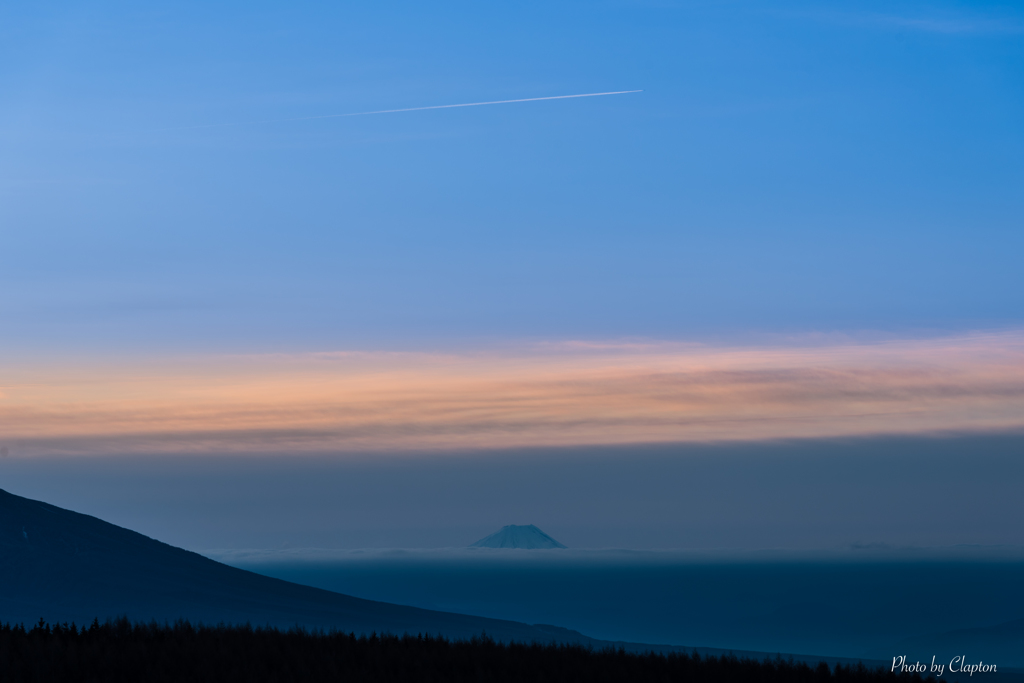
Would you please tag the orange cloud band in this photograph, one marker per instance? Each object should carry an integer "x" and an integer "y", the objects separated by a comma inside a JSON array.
[{"x": 558, "y": 394}]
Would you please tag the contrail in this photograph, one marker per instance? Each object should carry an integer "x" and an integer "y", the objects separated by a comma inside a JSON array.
[{"x": 395, "y": 111}]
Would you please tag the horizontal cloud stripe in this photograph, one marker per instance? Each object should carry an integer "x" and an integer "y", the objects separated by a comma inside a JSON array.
[{"x": 549, "y": 394}]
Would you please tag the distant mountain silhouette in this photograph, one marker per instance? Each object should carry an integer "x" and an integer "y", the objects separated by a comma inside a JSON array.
[
  {"x": 65, "y": 566},
  {"x": 514, "y": 536}
]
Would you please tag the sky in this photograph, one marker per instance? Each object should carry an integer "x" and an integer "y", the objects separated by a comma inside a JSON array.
[{"x": 806, "y": 225}]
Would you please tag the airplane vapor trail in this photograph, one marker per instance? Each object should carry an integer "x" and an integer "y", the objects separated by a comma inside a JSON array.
[{"x": 395, "y": 111}]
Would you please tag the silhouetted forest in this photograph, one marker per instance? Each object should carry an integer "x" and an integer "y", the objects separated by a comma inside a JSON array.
[{"x": 122, "y": 651}]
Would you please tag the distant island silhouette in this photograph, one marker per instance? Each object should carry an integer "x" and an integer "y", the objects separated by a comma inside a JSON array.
[{"x": 527, "y": 537}]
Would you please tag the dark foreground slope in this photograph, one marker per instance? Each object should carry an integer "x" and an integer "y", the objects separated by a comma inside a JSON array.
[
  {"x": 65, "y": 566},
  {"x": 123, "y": 652}
]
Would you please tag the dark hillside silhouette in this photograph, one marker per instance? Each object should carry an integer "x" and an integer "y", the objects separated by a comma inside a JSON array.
[{"x": 67, "y": 566}]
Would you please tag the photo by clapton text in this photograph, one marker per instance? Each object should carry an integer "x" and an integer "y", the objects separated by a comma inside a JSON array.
[{"x": 956, "y": 665}]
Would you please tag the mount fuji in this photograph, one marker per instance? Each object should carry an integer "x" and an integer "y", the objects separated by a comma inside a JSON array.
[{"x": 527, "y": 537}]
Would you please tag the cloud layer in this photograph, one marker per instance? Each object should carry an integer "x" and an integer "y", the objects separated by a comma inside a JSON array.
[{"x": 545, "y": 395}]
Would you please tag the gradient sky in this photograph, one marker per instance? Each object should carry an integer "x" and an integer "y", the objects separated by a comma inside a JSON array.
[
  {"x": 806, "y": 225},
  {"x": 803, "y": 167}
]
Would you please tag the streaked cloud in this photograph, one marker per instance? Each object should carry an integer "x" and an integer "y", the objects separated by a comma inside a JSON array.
[
  {"x": 572, "y": 393},
  {"x": 409, "y": 109}
]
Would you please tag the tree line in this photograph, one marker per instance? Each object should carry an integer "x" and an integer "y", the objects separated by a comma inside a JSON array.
[{"x": 120, "y": 650}]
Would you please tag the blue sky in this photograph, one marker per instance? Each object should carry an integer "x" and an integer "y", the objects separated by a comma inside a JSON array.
[
  {"x": 789, "y": 169},
  {"x": 796, "y": 184}
]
